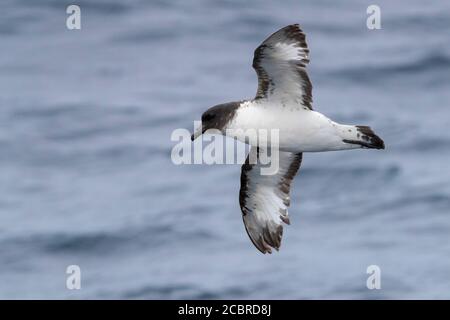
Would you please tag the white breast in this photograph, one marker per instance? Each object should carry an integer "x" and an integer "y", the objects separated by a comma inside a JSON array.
[{"x": 299, "y": 130}]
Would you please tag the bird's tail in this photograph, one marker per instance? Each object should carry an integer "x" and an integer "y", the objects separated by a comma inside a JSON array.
[{"x": 363, "y": 136}]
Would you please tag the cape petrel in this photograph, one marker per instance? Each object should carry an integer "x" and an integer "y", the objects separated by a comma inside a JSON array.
[{"x": 283, "y": 101}]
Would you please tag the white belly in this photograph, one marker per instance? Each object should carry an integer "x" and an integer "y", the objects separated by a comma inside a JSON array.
[{"x": 299, "y": 130}]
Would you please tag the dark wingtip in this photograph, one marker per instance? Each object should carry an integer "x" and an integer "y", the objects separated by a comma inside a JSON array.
[{"x": 192, "y": 137}]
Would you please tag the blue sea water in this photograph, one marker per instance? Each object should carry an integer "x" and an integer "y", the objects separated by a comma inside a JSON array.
[{"x": 86, "y": 176}]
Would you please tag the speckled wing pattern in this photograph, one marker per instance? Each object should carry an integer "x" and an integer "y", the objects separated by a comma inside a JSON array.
[
  {"x": 280, "y": 63},
  {"x": 264, "y": 199}
]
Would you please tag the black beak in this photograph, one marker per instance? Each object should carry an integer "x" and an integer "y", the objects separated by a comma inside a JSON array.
[{"x": 198, "y": 132}]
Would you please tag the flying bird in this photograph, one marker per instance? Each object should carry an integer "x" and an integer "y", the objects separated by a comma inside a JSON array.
[{"x": 283, "y": 101}]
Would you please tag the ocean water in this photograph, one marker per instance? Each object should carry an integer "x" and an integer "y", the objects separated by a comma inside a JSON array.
[{"x": 86, "y": 176}]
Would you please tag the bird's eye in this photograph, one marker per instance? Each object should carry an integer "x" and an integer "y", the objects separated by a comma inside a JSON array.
[{"x": 208, "y": 117}]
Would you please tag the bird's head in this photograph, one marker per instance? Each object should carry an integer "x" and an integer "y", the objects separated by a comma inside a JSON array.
[{"x": 217, "y": 117}]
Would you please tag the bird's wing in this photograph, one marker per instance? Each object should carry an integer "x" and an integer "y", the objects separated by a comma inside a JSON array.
[
  {"x": 280, "y": 63},
  {"x": 264, "y": 199}
]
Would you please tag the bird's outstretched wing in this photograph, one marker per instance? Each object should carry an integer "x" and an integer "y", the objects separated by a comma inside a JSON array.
[
  {"x": 280, "y": 62},
  {"x": 264, "y": 199}
]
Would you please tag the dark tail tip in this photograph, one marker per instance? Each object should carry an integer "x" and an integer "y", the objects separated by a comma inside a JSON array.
[{"x": 369, "y": 138}]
